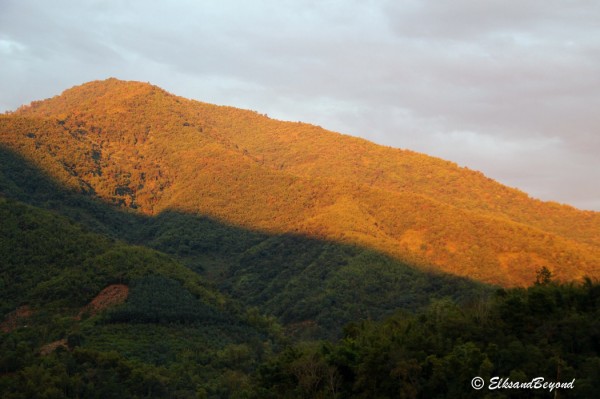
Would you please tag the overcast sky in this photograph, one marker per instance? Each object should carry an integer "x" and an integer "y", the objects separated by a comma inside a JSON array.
[{"x": 510, "y": 88}]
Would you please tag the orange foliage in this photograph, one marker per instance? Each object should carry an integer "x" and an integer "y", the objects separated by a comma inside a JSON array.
[{"x": 140, "y": 147}]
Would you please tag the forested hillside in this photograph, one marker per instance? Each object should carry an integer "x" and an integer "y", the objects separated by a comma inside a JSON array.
[
  {"x": 136, "y": 146},
  {"x": 314, "y": 286},
  {"x": 154, "y": 246},
  {"x": 63, "y": 335},
  {"x": 173, "y": 334},
  {"x": 175, "y": 337}
]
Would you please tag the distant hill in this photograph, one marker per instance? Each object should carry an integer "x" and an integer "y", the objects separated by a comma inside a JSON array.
[{"x": 138, "y": 147}]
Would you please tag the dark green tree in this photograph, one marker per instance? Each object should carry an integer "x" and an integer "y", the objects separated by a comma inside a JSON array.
[{"x": 543, "y": 276}]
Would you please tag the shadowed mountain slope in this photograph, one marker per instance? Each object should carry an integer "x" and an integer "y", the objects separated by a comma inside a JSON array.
[
  {"x": 66, "y": 246},
  {"x": 139, "y": 147}
]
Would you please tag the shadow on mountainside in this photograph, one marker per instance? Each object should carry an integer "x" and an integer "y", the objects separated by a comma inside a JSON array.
[{"x": 313, "y": 286}]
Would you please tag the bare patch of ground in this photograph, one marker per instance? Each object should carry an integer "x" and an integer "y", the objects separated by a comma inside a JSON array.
[
  {"x": 15, "y": 318},
  {"x": 112, "y": 295},
  {"x": 52, "y": 346}
]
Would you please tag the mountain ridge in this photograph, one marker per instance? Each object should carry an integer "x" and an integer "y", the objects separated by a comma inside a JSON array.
[{"x": 137, "y": 146}]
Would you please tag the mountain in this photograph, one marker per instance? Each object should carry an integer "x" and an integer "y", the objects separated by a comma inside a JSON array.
[
  {"x": 153, "y": 246},
  {"x": 138, "y": 147}
]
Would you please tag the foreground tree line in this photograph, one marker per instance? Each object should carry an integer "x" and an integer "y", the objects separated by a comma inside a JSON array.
[{"x": 548, "y": 330}]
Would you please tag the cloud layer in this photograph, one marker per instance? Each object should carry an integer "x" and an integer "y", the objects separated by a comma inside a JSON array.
[{"x": 511, "y": 89}]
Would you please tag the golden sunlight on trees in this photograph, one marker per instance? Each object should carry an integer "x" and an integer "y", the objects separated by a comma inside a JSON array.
[{"x": 138, "y": 147}]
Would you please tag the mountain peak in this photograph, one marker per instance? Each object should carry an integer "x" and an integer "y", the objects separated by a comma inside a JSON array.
[
  {"x": 99, "y": 96},
  {"x": 112, "y": 85}
]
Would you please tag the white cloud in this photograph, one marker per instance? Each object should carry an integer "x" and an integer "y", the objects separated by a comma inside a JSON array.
[{"x": 511, "y": 89}]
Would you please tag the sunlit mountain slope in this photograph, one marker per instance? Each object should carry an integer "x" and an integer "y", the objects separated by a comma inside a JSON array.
[{"x": 139, "y": 147}]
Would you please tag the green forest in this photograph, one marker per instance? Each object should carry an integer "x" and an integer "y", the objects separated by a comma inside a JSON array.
[
  {"x": 156, "y": 247},
  {"x": 214, "y": 311}
]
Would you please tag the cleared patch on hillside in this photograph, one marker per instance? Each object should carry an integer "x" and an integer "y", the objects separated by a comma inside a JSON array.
[
  {"x": 15, "y": 318},
  {"x": 110, "y": 296},
  {"x": 52, "y": 346}
]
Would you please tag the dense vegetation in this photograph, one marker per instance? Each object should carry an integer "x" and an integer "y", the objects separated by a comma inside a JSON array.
[
  {"x": 314, "y": 286},
  {"x": 323, "y": 286},
  {"x": 175, "y": 335},
  {"x": 546, "y": 330},
  {"x": 141, "y": 148},
  {"x": 51, "y": 261},
  {"x": 51, "y": 345},
  {"x": 157, "y": 299},
  {"x": 253, "y": 258}
]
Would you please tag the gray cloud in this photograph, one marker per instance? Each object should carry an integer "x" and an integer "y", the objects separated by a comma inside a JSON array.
[{"x": 508, "y": 88}]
